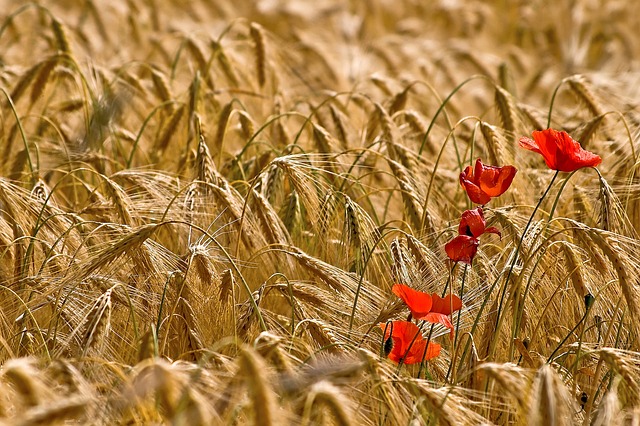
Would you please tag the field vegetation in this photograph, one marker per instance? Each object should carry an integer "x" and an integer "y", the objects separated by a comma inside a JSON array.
[{"x": 208, "y": 210}]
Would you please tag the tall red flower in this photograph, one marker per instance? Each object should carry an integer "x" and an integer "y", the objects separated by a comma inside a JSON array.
[
  {"x": 484, "y": 182},
  {"x": 473, "y": 224},
  {"x": 560, "y": 151},
  {"x": 428, "y": 307},
  {"x": 408, "y": 343},
  {"x": 446, "y": 305},
  {"x": 419, "y": 303},
  {"x": 441, "y": 309},
  {"x": 462, "y": 248}
]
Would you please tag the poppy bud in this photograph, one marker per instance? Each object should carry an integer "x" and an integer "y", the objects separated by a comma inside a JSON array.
[
  {"x": 387, "y": 347},
  {"x": 588, "y": 300}
]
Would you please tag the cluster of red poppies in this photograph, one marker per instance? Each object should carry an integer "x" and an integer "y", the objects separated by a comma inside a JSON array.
[
  {"x": 404, "y": 342},
  {"x": 408, "y": 344},
  {"x": 481, "y": 184}
]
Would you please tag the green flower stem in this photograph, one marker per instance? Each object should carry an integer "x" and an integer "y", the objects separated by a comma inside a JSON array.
[
  {"x": 457, "y": 330},
  {"x": 513, "y": 263},
  {"x": 518, "y": 314},
  {"x": 446, "y": 286},
  {"x": 586, "y": 313},
  {"x": 426, "y": 349}
]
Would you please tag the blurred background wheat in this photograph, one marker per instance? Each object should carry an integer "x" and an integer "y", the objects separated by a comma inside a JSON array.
[{"x": 204, "y": 205}]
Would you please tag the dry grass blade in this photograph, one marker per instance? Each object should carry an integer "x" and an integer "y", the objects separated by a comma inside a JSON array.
[
  {"x": 225, "y": 64},
  {"x": 223, "y": 120},
  {"x": 533, "y": 116},
  {"x": 612, "y": 214},
  {"x": 26, "y": 79},
  {"x": 127, "y": 244},
  {"x": 119, "y": 197},
  {"x": 60, "y": 34},
  {"x": 339, "y": 122},
  {"x": 169, "y": 129},
  {"x": 495, "y": 143},
  {"x": 412, "y": 205},
  {"x": 190, "y": 332},
  {"x": 257, "y": 35},
  {"x": 197, "y": 53},
  {"x": 334, "y": 277},
  {"x": 205, "y": 167},
  {"x": 623, "y": 365},
  {"x": 506, "y": 109},
  {"x": 574, "y": 266},
  {"x": 443, "y": 405},
  {"x": 550, "y": 403},
  {"x": 161, "y": 85},
  {"x": 24, "y": 378},
  {"x": 246, "y": 124},
  {"x": 68, "y": 409},
  {"x": 629, "y": 286},
  {"x": 227, "y": 284},
  {"x": 588, "y": 132},
  {"x": 202, "y": 264},
  {"x": 158, "y": 378},
  {"x": 247, "y": 314},
  {"x": 325, "y": 394},
  {"x": 43, "y": 77},
  {"x": 270, "y": 347},
  {"x": 272, "y": 226},
  {"x": 608, "y": 413},
  {"x": 511, "y": 378},
  {"x": 262, "y": 396},
  {"x": 582, "y": 90},
  {"x": 97, "y": 323},
  {"x": 425, "y": 259}
]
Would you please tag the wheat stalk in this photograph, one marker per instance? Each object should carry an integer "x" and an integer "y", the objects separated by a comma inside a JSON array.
[
  {"x": 262, "y": 395},
  {"x": 257, "y": 35}
]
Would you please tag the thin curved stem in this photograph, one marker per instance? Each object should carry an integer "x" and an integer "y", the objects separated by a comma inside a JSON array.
[{"x": 513, "y": 263}]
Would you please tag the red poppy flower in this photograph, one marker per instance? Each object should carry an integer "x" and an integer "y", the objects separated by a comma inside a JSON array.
[
  {"x": 560, "y": 151},
  {"x": 419, "y": 303},
  {"x": 408, "y": 343},
  {"x": 446, "y": 305},
  {"x": 462, "y": 248},
  {"x": 431, "y": 308},
  {"x": 485, "y": 182},
  {"x": 473, "y": 224},
  {"x": 441, "y": 309}
]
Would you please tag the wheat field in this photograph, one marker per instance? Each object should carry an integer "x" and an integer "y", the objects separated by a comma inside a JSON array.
[{"x": 205, "y": 205}]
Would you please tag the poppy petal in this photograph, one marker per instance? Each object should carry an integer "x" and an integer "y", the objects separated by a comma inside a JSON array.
[
  {"x": 462, "y": 248},
  {"x": 530, "y": 144},
  {"x": 419, "y": 303},
  {"x": 476, "y": 195},
  {"x": 482, "y": 182},
  {"x": 493, "y": 230},
  {"x": 408, "y": 342},
  {"x": 436, "y": 318},
  {"x": 432, "y": 351},
  {"x": 415, "y": 352},
  {"x": 446, "y": 305},
  {"x": 472, "y": 223},
  {"x": 494, "y": 181},
  {"x": 560, "y": 151}
]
